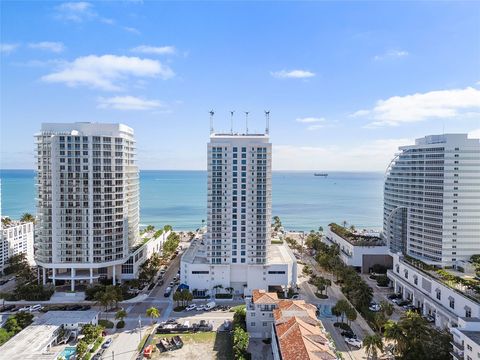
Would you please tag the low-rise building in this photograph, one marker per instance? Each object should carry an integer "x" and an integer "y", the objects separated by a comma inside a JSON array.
[
  {"x": 259, "y": 313},
  {"x": 298, "y": 334},
  {"x": 35, "y": 342},
  {"x": 466, "y": 339},
  {"x": 446, "y": 302},
  {"x": 16, "y": 237},
  {"x": 149, "y": 244},
  {"x": 278, "y": 272},
  {"x": 359, "y": 250}
]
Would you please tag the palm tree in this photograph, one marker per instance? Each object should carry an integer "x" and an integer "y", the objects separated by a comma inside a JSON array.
[
  {"x": 153, "y": 313},
  {"x": 344, "y": 223},
  {"x": 362, "y": 295},
  {"x": 387, "y": 307},
  {"x": 120, "y": 315},
  {"x": 393, "y": 331},
  {"x": 352, "y": 228},
  {"x": 351, "y": 314},
  {"x": 177, "y": 296},
  {"x": 327, "y": 283},
  {"x": 320, "y": 229},
  {"x": 216, "y": 287},
  {"x": 373, "y": 344},
  {"x": 27, "y": 217}
]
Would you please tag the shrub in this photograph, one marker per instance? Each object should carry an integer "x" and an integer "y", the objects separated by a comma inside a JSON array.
[
  {"x": 223, "y": 296},
  {"x": 321, "y": 296},
  {"x": 382, "y": 280},
  {"x": 121, "y": 324},
  {"x": 240, "y": 343},
  {"x": 342, "y": 326},
  {"x": 97, "y": 344},
  {"x": 105, "y": 323},
  {"x": 179, "y": 308}
]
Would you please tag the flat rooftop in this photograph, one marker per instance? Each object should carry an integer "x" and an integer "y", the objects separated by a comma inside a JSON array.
[
  {"x": 30, "y": 343},
  {"x": 472, "y": 335},
  {"x": 276, "y": 253}
]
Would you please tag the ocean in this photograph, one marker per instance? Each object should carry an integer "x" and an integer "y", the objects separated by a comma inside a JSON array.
[{"x": 302, "y": 201}]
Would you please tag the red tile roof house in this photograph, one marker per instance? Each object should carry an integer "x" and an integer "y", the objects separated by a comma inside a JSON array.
[{"x": 296, "y": 332}]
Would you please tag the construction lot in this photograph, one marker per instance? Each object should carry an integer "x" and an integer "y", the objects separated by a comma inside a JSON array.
[{"x": 202, "y": 345}]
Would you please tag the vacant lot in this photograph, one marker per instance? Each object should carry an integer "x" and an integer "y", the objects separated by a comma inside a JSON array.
[{"x": 202, "y": 345}]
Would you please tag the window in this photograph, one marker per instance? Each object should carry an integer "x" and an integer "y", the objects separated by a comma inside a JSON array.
[
  {"x": 200, "y": 272},
  {"x": 264, "y": 323},
  {"x": 452, "y": 303},
  {"x": 468, "y": 312},
  {"x": 252, "y": 314},
  {"x": 252, "y": 323},
  {"x": 469, "y": 347},
  {"x": 276, "y": 272},
  {"x": 439, "y": 295}
]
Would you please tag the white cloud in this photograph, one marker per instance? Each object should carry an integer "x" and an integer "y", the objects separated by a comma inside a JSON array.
[
  {"x": 75, "y": 11},
  {"x": 55, "y": 47},
  {"x": 474, "y": 134},
  {"x": 107, "y": 72},
  {"x": 157, "y": 50},
  {"x": 315, "y": 127},
  {"x": 292, "y": 74},
  {"x": 370, "y": 156},
  {"x": 309, "y": 120},
  {"x": 439, "y": 104},
  {"x": 128, "y": 103},
  {"x": 6, "y": 48},
  {"x": 131, "y": 30},
  {"x": 391, "y": 54}
]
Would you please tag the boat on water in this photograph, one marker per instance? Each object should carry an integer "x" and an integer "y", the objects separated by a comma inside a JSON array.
[{"x": 320, "y": 174}]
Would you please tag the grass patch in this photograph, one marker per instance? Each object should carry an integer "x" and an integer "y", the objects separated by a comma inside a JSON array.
[
  {"x": 223, "y": 296},
  {"x": 277, "y": 242},
  {"x": 144, "y": 340},
  {"x": 238, "y": 307}
]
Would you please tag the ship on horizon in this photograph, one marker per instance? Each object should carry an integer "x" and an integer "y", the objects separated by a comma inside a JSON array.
[{"x": 320, "y": 174}]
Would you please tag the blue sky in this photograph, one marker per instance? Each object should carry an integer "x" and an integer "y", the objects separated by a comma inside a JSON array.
[{"x": 346, "y": 82}]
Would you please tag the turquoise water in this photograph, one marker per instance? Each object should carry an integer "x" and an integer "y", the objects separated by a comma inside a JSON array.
[
  {"x": 302, "y": 201},
  {"x": 68, "y": 352}
]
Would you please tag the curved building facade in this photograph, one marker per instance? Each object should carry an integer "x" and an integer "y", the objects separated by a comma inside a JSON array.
[
  {"x": 88, "y": 200},
  {"x": 432, "y": 199}
]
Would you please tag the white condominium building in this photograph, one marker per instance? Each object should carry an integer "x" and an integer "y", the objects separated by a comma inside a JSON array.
[
  {"x": 236, "y": 251},
  {"x": 432, "y": 199},
  {"x": 88, "y": 200},
  {"x": 239, "y": 198},
  {"x": 16, "y": 237}
]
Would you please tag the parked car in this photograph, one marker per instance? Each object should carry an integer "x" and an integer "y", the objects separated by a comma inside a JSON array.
[
  {"x": 7, "y": 308},
  {"x": 171, "y": 284},
  {"x": 37, "y": 307},
  {"x": 25, "y": 309},
  {"x": 349, "y": 334},
  {"x": 403, "y": 302},
  {"x": 167, "y": 292},
  {"x": 210, "y": 306},
  {"x": 200, "y": 307},
  {"x": 97, "y": 357},
  {"x": 354, "y": 342},
  {"x": 374, "y": 307},
  {"x": 295, "y": 297},
  {"x": 107, "y": 344},
  {"x": 409, "y": 307},
  {"x": 191, "y": 307},
  {"x": 160, "y": 282}
]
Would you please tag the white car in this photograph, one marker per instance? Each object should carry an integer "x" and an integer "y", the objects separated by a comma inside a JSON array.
[
  {"x": 191, "y": 307},
  {"x": 37, "y": 307},
  {"x": 200, "y": 307},
  {"x": 354, "y": 342},
  {"x": 25, "y": 309},
  {"x": 375, "y": 307}
]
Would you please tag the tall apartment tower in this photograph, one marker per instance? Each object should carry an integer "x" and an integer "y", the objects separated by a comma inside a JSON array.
[
  {"x": 88, "y": 200},
  {"x": 432, "y": 199},
  {"x": 239, "y": 198}
]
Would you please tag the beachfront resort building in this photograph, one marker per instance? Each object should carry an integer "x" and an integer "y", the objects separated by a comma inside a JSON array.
[
  {"x": 88, "y": 200},
  {"x": 432, "y": 199},
  {"x": 16, "y": 237},
  {"x": 359, "y": 249},
  {"x": 236, "y": 251}
]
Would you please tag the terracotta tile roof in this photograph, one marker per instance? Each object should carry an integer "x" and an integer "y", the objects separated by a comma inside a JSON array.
[
  {"x": 263, "y": 297},
  {"x": 291, "y": 307},
  {"x": 302, "y": 340}
]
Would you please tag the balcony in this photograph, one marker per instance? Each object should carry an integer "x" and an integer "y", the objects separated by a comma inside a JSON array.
[
  {"x": 457, "y": 355},
  {"x": 457, "y": 345}
]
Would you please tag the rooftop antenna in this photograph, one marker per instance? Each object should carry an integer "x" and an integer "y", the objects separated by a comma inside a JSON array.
[
  {"x": 231, "y": 121},
  {"x": 267, "y": 121},
  {"x": 246, "y": 120},
  {"x": 211, "y": 121}
]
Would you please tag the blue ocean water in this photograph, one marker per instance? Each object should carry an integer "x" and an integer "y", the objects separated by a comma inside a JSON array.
[{"x": 302, "y": 201}]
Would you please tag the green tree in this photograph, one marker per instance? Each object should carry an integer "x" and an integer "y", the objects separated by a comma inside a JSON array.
[
  {"x": 342, "y": 306},
  {"x": 216, "y": 287},
  {"x": 387, "y": 308},
  {"x": 239, "y": 318},
  {"x": 11, "y": 325},
  {"x": 320, "y": 229},
  {"x": 153, "y": 313},
  {"x": 4, "y": 336},
  {"x": 229, "y": 289},
  {"x": 373, "y": 344},
  {"x": 91, "y": 332},
  {"x": 337, "y": 313},
  {"x": 24, "y": 319},
  {"x": 27, "y": 217},
  {"x": 240, "y": 343},
  {"x": 82, "y": 347},
  {"x": 351, "y": 314},
  {"x": 177, "y": 296},
  {"x": 120, "y": 315}
]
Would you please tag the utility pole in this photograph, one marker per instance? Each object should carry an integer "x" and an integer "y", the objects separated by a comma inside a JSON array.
[{"x": 140, "y": 327}]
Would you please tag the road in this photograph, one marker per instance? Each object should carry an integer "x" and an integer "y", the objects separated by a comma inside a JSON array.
[{"x": 359, "y": 326}]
